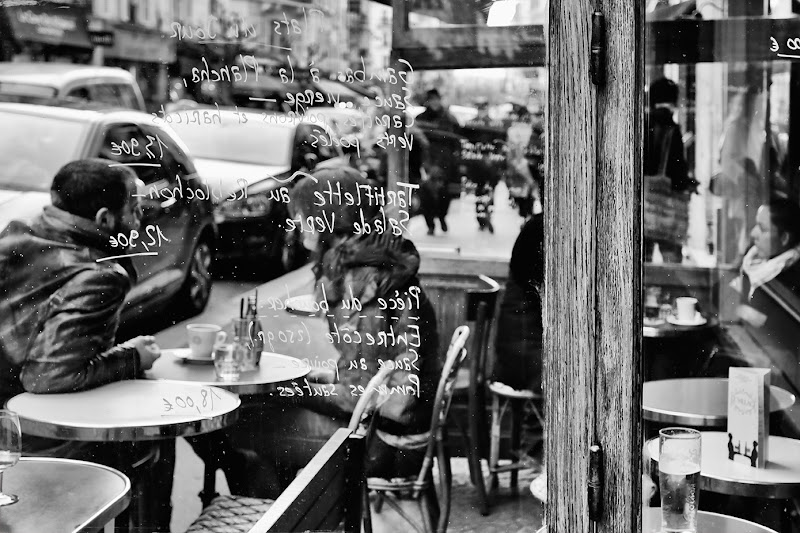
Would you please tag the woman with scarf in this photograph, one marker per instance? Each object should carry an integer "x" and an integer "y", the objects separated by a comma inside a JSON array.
[
  {"x": 375, "y": 268},
  {"x": 773, "y": 258}
]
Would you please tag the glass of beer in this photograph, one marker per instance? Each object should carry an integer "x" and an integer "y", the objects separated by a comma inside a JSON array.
[{"x": 679, "y": 476}]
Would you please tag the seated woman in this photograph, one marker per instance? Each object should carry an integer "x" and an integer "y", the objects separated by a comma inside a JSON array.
[
  {"x": 773, "y": 260},
  {"x": 377, "y": 270},
  {"x": 519, "y": 324}
]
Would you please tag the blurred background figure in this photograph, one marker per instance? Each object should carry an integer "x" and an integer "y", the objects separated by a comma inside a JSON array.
[
  {"x": 436, "y": 114},
  {"x": 520, "y": 327},
  {"x": 667, "y": 181}
]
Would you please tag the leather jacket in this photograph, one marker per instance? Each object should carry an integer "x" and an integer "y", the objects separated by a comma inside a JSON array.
[{"x": 59, "y": 307}]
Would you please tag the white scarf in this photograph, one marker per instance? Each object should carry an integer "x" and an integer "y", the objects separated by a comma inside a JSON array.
[{"x": 760, "y": 271}]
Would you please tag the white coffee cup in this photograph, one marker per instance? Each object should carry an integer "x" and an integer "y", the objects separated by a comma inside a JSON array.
[
  {"x": 201, "y": 339},
  {"x": 686, "y": 308}
]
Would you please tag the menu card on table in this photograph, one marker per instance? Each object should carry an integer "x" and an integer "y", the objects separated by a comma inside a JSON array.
[{"x": 748, "y": 415}]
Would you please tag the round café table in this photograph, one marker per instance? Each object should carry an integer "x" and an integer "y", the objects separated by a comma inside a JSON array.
[
  {"x": 779, "y": 480},
  {"x": 697, "y": 402},
  {"x": 273, "y": 369},
  {"x": 706, "y": 522},
  {"x": 81, "y": 497},
  {"x": 132, "y": 410}
]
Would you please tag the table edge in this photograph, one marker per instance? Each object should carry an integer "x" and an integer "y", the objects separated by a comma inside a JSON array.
[
  {"x": 109, "y": 511},
  {"x": 730, "y": 486}
]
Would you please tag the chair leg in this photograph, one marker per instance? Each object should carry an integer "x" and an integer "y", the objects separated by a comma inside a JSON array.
[
  {"x": 366, "y": 514},
  {"x": 429, "y": 518},
  {"x": 516, "y": 438},
  {"x": 494, "y": 445},
  {"x": 465, "y": 435},
  {"x": 445, "y": 488},
  {"x": 473, "y": 450}
]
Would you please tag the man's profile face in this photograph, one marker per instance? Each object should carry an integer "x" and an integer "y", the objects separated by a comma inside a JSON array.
[
  {"x": 765, "y": 235},
  {"x": 129, "y": 218}
]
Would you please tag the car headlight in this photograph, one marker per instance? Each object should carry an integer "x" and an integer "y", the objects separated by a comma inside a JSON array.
[{"x": 252, "y": 206}]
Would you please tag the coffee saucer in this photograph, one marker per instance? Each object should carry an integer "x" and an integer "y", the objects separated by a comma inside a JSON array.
[
  {"x": 185, "y": 355},
  {"x": 699, "y": 320}
]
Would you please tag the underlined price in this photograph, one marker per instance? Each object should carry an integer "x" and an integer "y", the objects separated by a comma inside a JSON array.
[{"x": 200, "y": 403}]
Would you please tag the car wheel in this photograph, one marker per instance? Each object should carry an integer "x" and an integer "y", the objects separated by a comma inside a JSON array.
[{"x": 196, "y": 288}]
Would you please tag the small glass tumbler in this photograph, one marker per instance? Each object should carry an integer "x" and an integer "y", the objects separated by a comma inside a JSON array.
[
  {"x": 679, "y": 478},
  {"x": 227, "y": 361}
]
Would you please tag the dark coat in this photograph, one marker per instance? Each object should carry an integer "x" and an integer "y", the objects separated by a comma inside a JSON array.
[
  {"x": 59, "y": 308},
  {"x": 519, "y": 324},
  {"x": 378, "y": 267},
  {"x": 663, "y": 132}
]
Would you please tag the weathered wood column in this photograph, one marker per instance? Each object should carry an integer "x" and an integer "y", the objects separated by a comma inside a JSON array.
[{"x": 593, "y": 270}]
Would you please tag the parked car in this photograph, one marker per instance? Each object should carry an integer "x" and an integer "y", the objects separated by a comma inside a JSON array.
[
  {"x": 44, "y": 82},
  {"x": 247, "y": 167},
  {"x": 35, "y": 141}
]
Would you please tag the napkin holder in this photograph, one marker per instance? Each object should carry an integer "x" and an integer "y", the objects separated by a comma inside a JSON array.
[{"x": 748, "y": 415}]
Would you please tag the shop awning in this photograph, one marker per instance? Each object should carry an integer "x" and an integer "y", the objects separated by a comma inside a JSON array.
[{"x": 49, "y": 23}]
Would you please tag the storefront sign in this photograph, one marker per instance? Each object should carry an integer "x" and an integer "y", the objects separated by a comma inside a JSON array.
[
  {"x": 136, "y": 43},
  {"x": 100, "y": 32},
  {"x": 56, "y": 24}
]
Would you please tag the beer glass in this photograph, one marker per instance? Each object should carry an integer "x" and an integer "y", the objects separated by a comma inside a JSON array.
[
  {"x": 10, "y": 449},
  {"x": 679, "y": 476}
]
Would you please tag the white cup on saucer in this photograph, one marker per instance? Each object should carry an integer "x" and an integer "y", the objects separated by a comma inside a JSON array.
[
  {"x": 686, "y": 308},
  {"x": 201, "y": 339}
]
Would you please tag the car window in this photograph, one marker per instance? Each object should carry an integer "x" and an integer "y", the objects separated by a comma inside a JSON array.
[
  {"x": 33, "y": 148},
  {"x": 106, "y": 93},
  {"x": 128, "y": 144},
  {"x": 79, "y": 93},
  {"x": 166, "y": 141},
  {"x": 126, "y": 95},
  {"x": 252, "y": 142}
]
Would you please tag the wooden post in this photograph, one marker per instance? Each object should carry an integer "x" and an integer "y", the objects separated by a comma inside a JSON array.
[
  {"x": 619, "y": 356},
  {"x": 593, "y": 359}
]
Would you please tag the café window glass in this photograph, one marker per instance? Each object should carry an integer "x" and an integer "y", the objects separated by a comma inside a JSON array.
[{"x": 721, "y": 226}]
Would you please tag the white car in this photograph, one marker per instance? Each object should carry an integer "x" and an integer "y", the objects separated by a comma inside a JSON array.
[{"x": 245, "y": 158}]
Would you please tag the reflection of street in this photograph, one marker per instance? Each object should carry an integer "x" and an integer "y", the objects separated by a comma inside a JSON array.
[{"x": 464, "y": 235}]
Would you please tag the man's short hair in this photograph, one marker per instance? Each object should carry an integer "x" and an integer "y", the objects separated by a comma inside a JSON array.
[
  {"x": 432, "y": 93},
  {"x": 663, "y": 91},
  {"x": 784, "y": 214},
  {"x": 85, "y": 186}
]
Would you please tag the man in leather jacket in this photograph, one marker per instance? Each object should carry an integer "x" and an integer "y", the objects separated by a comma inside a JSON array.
[{"x": 60, "y": 302}]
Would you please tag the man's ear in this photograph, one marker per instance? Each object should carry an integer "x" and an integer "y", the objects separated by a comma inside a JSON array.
[
  {"x": 105, "y": 218},
  {"x": 784, "y": 238}
]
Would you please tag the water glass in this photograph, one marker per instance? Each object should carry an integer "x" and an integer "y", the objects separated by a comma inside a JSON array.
[
  {"x": 227, "y": 361},
  {"x": 679, "y": 477},
  {"x": 10, "y": 449}
]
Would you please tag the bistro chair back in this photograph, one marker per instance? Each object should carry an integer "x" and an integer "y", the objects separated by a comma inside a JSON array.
[
  {"x": 435, "y": 511},
  {"x": 362, "y": 421},
  {"x": 471, "y": 383},
  {"x": 327, "y": 493}
]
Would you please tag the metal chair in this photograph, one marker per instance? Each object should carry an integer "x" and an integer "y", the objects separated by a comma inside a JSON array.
[
  {"x": 435, "y": 510},
  {"x": 238, "y": 513},
  {"x": 471, "y": 383},
  {"x": 504, "y": 397}
]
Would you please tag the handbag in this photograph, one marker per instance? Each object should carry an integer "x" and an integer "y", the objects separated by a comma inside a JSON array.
[{"x": 666, "y": 211}]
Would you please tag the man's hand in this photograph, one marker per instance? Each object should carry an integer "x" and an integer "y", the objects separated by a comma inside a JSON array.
[
  {"x": 321, "y": 375},
  {"x": 148, "y": 350}
]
